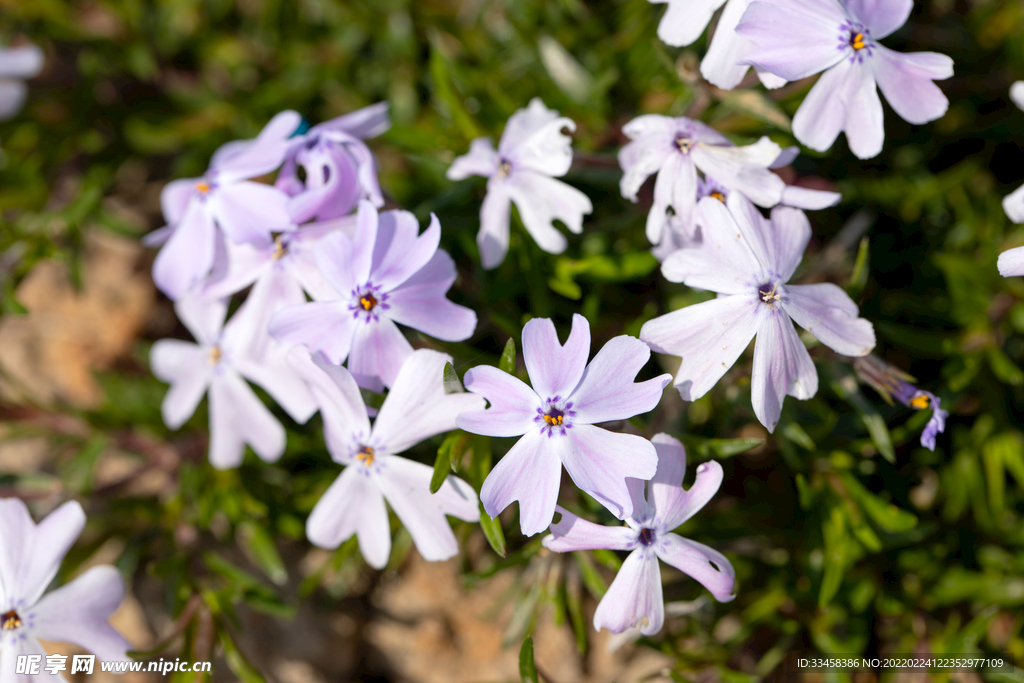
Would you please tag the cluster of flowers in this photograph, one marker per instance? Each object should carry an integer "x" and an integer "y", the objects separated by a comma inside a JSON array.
[{"x": 319, "y": 233}]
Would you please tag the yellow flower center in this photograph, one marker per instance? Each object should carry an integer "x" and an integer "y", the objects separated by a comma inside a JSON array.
[
  {"x": 770, "y": 297},
  {"x": 215, "y": 355},
  {"x": 553, "y": 419},
  {"x": 719, "y": 196},
  {"x": 857, "y": 41},
  {"x": 921, "y": 401},
  {"x": 365, "y": 456},
  {"x": 10, "y": 621},
  {"x": 203, "y": 187},
  {"x": 279, "y": 248},
  {"x": 367, "y": 301}
]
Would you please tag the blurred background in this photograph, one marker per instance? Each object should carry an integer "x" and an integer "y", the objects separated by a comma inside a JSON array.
[{"x": 847, "y": 536}]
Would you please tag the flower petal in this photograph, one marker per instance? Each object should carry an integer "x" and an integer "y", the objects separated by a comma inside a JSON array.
[
  {"x": 352, "y": 505},
  {"x": 78, "y": 612},
  {"x": 645, "y": 156},
  {"x": 727, "y": 261},
  {"x": 781, "y": 366},
  {"x": 906, "y": 82},
  {"x": 936, "y": 425},
  {"x": 495, "y": 212},
  {"x": 547, "y": 151},
  {"x": 187, "y": 256},
  {"x": 793, "y": 40},
  {"x": 599, "y": 462},
  {"x": 513, "y": 405},
  {"x": 822, "y": 114},
  {"x": 31, "y": 553},
  {"x": 1011, "y": 262},
  {"x": 24, "y": 61},
  {"x": 555, "y": 370},
  {"x": 1013, "y": 205},
  {"x": 881, "y": 16},
  {"x": 523, "y": 124},
  {"x": 249, "y": 212},
  {"x": 778, "y": 244},
  {"x": 365, "y": 123},
  {"x": 339, "y": 400},
  {"x": 827, "y": 312},
  {"x": 721, "y": 65},
  {"x": 667, "y": 484},
  {"x": 810, "y": 200},
  {"x": 744, "y": 169},
  {"x": 607, "y": 391},
  {"x": 1017, "y": 94},
  {"x": 699, "y": 562},
  {"x": 685, "y": 20},
  {"x": 262, "y": 154},
  {"x": 186, "y": 367},
  {"x": 417, "y": 406},
  {"x": 420, "y": 303},
  {"x": 175, "y": 197},
  {"x": 676, "y": 186},
  {"x": 481, "y": 160},
  {"x": 407, "y": 252},
  {"x": 344, "y": 261},
  {"x": 572, "y": 533},
  {"x": 709, "y": 337},
  {"x": 674, "y": 505},
  {"x": 530, "y": 472},
  {"x": 326, "y": 326},
  {"x": 634, "y": 598},
  {"x": 378, "y": 350},
  {"x": 406, "y": 486},
  {"x": 865, "y": 121},
  {"x": 541, "y": 201},
  {"x": 238, "y": 417}
]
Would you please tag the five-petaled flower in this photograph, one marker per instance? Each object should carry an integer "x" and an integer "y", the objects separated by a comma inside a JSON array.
[
  {"x": 635, "y": 597},
  {"x": 222, "y": 201},
  {"x": 339, "y": 167},
  {"x": 532, "y": 152},
  {"x": 556, "y": 419},
  {"x": 415, "y": 409},
  {"x": 796, "y": 39},
  {"x": 224, "y": 355},
  {"x": 749, "y": 260},
  {"x": 77, "y": 612},
  {"x": 386, "y": 273}
]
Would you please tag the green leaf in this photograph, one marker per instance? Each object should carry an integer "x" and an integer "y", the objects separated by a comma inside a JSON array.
[
  {"x": 591, "y": 579},
  {"x": 845, "y": 386},
  {"x": 527, "y": 667},
  {"x": 508, "y": 357},
  {"x": 885, "y": 515},
  {"x": 237, "y": 662},
  {"x": 1004, "y": 368},
  {"x": 706, "y": 449},
  {"x": 492, "y": 530},
  {"x": 371, "y": 398},
  {"x": 442, "y": 467},
  {"x": 258, "y": 545},
  {"x": 859, "y": 276},
  {"x": 452, "y": 384}
]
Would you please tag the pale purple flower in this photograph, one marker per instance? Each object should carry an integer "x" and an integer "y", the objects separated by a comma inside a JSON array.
[
  {"x": 532, "y": 152},
  {"x": 17, "y": 64},
  {"x": 892, "y": 383},
  {"x": 676, "y": 149},
  {"x": 223, "y": 199},
  {"x": 386, "y": 273},
  {"x": 749, "y": 260},
  {"x": 415, "y": 409},
  {"x": 77, "y": 612},
  {"x": 556, "y": 419},
  {"x": 224, "y": 356},
  {"x": 339, "y": 167},
  {"x": 721, "y": 65},
  {"x": 1011, "y": 261},
  {"x": 796, "y": 39},
  {"x": 635, "y": 598},
  {"x": 685, "y": 20}
]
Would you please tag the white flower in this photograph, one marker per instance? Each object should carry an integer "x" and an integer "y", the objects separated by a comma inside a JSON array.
[
  {"x": 77, "y": 612},
  {"x": 532, "y": 152}
]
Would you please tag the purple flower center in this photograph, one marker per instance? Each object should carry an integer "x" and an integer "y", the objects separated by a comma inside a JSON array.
[
  {"x": 855, "y": 36},
  {"x": 10, "y": 621},
  {"x": 555, "y": 415},
  {"x": 368, "y": 301},
  {"x": 646, "y": 536}
]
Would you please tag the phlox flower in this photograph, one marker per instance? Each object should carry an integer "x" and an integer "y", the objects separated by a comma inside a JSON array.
[
  {"x": 749, "y": 260},
  {"x": 532, "y": 152},
  {"x": 635, "y": 598},
  {"x": 386, "y": 273},
  {"x": 415, "y": 409},
  {"x": 77, "y": 612},
  {"x": 892, "y": 383},
  {"x": 223, "y": 199},
  {"x": 556, "y": 419},
  {"x": 220, "y": 361},
  {"x": 722, "y": 65},
  {"x": 339, "y": 166},
  {"x": 675, "y": 149},
  {"x": 796, "y": 39},
  {"x": 1011, "y": 261},
  {"x": 17, "y": 64}
]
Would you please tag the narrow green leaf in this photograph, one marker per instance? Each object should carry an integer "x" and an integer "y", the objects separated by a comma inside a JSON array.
[
  {"x": 442, "y": 466},
  {"x": 258, "y": 545},
  {"x": 508, "y": 357},
  {"x": 591, "y": 579},
  {"x": 845, "y": 386},
  {"x": 527, "y": 667},
  {"x": 237, "y": 662},
  {"x": 836, "y": 555},
  {"x": 574, "y": 604},
  {"x": 452, "y": 383},
  {"x": 492, "y": 530},
  {"x": 706, "y": 449},
  {"x": 859, "y": 276},
  {"x": 885, "y": 515},
  {"x": 1004, "y": 368}
]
